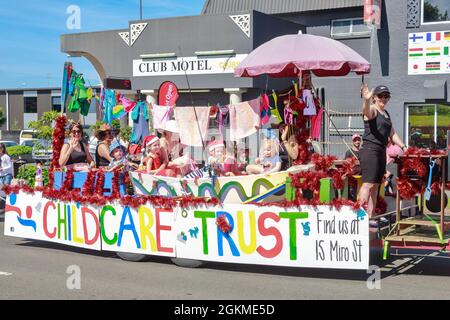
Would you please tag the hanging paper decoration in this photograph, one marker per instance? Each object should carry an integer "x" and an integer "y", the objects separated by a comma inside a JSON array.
[
  {"x": 274, "y": 110},
  {"x": 118, "y": 112},
  {"x": 295, "y": 88},
  {"x": 265, "y": 109},
  {"x": 310, "y": 109},
  {"x": 79, "y": 100},
  {"x": 109, "y": 103}
]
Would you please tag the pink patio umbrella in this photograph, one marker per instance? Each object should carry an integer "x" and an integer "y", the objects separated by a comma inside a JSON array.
[{"x": 287, "y": 55}]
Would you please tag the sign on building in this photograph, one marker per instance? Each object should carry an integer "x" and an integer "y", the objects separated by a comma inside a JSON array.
[
  {"x": 186, "y": 65},
  {"x": 372, "y": 13},
  {"x": 429, "y": 52}
]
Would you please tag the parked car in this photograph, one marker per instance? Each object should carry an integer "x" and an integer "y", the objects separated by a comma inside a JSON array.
[
  {"x": 9, "y": 143},
  {"x": 27, "y": 135},
  {"x": 29, "y": 143},
  {"x": 42, "y": 150}
]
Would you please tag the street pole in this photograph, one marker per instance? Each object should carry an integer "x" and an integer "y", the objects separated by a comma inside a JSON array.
[{"x": 140, "y": 8}]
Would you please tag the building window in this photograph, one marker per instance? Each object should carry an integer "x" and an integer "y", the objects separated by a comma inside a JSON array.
[
  {"x": 30, "y": 104},
  {"x": 349, "y": 28},
  {"x": 435, "y": 11},
  {"x": 56, "y": 104},
  {"x": 428, "y": 125}
]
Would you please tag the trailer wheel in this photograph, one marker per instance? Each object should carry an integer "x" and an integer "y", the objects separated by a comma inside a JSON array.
[
  {"x": 133, "y": 257},
  {"x": 188, "y": 263}
]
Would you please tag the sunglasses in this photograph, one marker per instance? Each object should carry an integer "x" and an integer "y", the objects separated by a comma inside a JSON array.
[
  {"x": 76, "y": 131},
  {"x": 384, "y": 96}
]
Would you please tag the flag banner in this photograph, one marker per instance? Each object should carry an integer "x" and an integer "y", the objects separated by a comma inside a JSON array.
[{"x": 426, "y": 46}]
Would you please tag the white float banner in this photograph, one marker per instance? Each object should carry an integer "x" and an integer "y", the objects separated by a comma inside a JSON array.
[
  {"x": 34, "y": 217},
  {"x": 429, "y": 52},
  {"x": 317, "y": 237},
  {"x": 307, "y": 237},
  {"x": 186, "y": 65},
  {"x": 146, "y": 230}
]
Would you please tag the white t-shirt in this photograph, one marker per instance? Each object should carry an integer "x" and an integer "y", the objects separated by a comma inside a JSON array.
[{"x": 6, "y": 165}]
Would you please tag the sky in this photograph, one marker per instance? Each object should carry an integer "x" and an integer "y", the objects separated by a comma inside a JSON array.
[{"x": 30, "y": 54}]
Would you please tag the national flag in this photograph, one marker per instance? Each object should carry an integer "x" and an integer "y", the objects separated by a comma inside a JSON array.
[
  {"x": 430, "y": 66},
  {"x": 416, "y": 52},
  {"x": 446, "y": 35},
  {"x": 430, "y": 37},
  {"x": 415, "y": 37},
  {"x": 433, "y": 51}
]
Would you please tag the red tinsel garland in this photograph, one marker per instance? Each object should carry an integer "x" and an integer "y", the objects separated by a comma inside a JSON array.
[
  {"x": 59, "y": 134},
  {"x": 75, "y": 195},
  {"x": 115, "y": 192},
  {"x": 100, "y": 182},
  {"x": 51, "y": 179},
  {"x": 322, "y": 163},
  {"x": 88, "y": 186},
  {"x": 408, "y": 188},
  {"x": 417, "y": 164},
  {"x": 414, "y": 165},
  {"x": 335, "y": 203},
  {"x": 68, "y": 180}
]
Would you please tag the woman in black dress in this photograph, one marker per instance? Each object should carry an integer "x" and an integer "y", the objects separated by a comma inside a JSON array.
[{"x": 378, "y": 129}]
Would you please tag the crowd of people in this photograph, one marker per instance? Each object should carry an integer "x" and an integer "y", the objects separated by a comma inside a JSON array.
[{"x": 163, "y": 154}]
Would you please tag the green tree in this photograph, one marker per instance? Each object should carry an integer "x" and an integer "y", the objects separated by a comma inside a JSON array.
[
  {"x": 44, "y": 126},
  {"x": 125, "y": 131},
  {"x": 431, "y": 13}
]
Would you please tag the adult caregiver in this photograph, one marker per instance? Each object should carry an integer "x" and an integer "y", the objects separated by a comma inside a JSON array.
[{"x": 378, "y": 129}]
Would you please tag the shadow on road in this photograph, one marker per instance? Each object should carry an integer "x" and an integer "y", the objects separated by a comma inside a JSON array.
[
  {"x": 63, "y": 247},
  {"x": 404, "y": 263}
]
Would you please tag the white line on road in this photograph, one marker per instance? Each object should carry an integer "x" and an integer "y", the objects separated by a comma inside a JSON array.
[{"x": 5, "y": 273}]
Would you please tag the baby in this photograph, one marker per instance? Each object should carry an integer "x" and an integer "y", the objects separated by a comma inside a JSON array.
[{"x": 268, "y": 162}]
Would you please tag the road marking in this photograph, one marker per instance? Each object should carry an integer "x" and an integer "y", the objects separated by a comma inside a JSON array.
[{"x": 5, "y": 273}]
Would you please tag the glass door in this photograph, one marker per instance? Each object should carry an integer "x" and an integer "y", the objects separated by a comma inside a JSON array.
[{"x": 428, "y": 125}]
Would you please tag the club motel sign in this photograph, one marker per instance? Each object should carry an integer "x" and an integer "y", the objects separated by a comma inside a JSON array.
[{"x": 186, "y": 65}]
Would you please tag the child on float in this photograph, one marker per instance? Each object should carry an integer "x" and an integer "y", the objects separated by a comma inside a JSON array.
[
  {"x": 269, "y": 160},
  {"x": 156, "y": 159},
  {"x": 219, "y": 160},
  {"x": 181, "y": 163},
  {"x": 236, "y": 161},
  {"x": 119, "y": 159}
]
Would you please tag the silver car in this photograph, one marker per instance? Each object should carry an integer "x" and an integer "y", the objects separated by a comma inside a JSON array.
[{"x": 42, "y": 150}]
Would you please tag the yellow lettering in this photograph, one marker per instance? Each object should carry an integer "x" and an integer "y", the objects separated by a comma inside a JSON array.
[
  {"x": 75, "y": 238},
  {"x": 146, "y": 228},
  {"x": 250, "y": 248}
]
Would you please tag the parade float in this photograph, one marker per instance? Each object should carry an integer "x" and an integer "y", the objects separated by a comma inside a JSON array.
[{"x": 301, "y": 217}]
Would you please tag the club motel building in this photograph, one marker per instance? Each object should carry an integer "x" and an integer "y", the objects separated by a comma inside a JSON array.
[{"x": 408, "y": 47}]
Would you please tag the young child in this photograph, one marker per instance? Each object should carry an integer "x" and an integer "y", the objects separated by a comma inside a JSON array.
[
  {"x": 220, "y": 161},
  {"x": 269, "y": 161},
  {"x": 157, "y": 160},
  {"x": 39, "y": 180},
  {"x": 119, "y": 160}
]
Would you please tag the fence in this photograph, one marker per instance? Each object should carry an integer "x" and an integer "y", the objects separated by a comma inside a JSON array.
[{"x": 346, "y": 122}]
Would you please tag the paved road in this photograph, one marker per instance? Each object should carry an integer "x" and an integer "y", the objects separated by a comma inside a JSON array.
[{"x": 37, "y": 270}]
